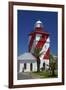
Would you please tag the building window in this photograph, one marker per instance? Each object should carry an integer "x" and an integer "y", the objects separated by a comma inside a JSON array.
[
  {"x": 31, "y": 67},
  {"x": 38, "y": 36},
  {"x": 44, "y": 65},
  {"x": 24, "y": 65}
]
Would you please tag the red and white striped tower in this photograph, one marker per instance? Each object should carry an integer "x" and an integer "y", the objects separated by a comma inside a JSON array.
[{"x": 40, "y": 39}]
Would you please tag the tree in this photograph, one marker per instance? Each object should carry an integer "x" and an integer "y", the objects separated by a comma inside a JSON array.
[
  {"x": 52, "y": 64},
  {"x": 37, "y": 54}
]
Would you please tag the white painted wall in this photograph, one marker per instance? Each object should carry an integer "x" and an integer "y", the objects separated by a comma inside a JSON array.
[
  {"x": 21, "y": 67},
  {"x": 27, "y": 67},
  {"x": 35, "y": 66},
  {"x": 41, "y": 64},
  {"x": 4, "y": 45},
  {"x": 46, "y": 61}
]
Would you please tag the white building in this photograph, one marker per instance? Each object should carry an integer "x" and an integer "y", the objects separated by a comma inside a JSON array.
[{"x": 26, "y": 63}]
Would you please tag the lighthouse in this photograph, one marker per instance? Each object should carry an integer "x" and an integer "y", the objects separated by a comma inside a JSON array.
[{"x": 39, "y": 38}]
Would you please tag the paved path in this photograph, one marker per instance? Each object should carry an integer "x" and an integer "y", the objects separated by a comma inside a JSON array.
[
  {"x": 27, "y": 75},
  {"x": 24, "y": 75}
]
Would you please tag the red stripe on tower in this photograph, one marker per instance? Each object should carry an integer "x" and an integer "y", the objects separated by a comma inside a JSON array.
[{"x": 47, "y": 55}]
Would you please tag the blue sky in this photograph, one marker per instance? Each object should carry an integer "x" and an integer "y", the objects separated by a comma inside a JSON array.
[{"x": 26, "y": 21}]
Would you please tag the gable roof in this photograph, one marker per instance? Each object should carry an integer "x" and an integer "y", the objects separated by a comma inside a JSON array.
[{"x": 27, "y": 56}]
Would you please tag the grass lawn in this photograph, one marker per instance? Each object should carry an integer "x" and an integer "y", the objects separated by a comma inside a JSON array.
[{"x": 45, "y": 74}]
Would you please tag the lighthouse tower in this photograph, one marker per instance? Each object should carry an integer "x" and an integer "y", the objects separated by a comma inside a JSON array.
[{"x": 40, "y": 39}]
